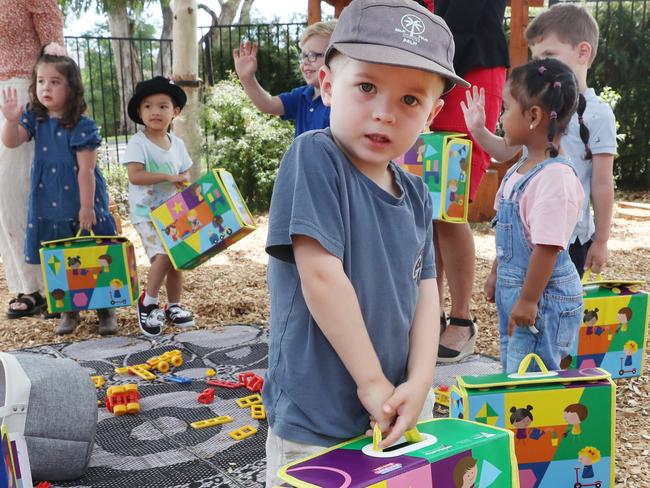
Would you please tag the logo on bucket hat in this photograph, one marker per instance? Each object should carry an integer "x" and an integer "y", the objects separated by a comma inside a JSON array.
[{"x": 397, "y": 33}]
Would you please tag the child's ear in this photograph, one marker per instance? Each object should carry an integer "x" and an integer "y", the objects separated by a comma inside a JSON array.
[
  {"x": 584, "y": 52},
  {"x": 177, "y": 111},
  {"x": 534, "y": 115},
  {"x": 435, "y": 110},
  {"x": 325, "y": 79}
]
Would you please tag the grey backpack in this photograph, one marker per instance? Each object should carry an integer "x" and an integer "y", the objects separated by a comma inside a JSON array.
[{"x": 53, "y": 403}]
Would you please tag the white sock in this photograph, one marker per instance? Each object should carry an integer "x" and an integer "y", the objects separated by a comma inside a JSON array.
[{"x": 149, "y": 300}]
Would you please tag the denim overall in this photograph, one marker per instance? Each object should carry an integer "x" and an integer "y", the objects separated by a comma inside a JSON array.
[{"x": 559, "y": 311}]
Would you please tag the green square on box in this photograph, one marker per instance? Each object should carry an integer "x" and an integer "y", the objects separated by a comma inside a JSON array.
[{"x": 202, "y": 220}]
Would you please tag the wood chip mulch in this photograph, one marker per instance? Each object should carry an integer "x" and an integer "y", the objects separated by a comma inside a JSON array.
[{"x": 231, "y": 288}]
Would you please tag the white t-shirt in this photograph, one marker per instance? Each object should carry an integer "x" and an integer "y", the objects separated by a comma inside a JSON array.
[
  {"x": 600, "y": 121},
  {"x": 175, "y": 160}
]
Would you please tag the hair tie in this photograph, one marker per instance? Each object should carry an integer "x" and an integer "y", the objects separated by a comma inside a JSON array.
[
  {"x": 542, "y": 69},
  {"x": 553, "y": 114},
  {"x": 557, "y": 84},
  {"x": 580, "y": 119}
]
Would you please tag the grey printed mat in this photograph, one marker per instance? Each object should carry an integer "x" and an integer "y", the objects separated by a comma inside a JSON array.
[{"x": 157, "y": 448}]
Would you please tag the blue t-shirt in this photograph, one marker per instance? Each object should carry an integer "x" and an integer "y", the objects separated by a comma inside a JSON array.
[
  {"x": 385, "y": 245},
  {"x": 307, "y": 112}
]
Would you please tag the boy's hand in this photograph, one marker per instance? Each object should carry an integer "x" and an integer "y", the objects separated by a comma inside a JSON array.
[
  {"x": 180, "y": 180},
  {"x": 245, "y": 59},
  {"x": 489, "y": 287},
  {"x": 11, "y": 109},
  {"x": 523, "y": 314},
  {"x": 87, "y": 218},
  {"x": 474, "y": 111},
  {"x": 373, "y": 397},
  {"x": 406, "y": 403},
  {"x": 596, "y": 256}
]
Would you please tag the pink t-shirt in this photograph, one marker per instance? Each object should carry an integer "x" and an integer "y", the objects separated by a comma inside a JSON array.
[{"x": 549, "y": 206}]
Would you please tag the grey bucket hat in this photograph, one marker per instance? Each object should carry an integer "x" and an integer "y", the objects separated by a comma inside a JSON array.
[{"x": 398, "y": 33}]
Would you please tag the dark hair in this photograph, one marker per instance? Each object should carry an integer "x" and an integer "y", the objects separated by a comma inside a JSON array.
[
  {"x": 590, "y": 314},
  {"x": 519, "y": 414},
  {"x": 76, "y": 104},
  {"x": 584, "y": 130},
  {"x": 550, "y": 84}
]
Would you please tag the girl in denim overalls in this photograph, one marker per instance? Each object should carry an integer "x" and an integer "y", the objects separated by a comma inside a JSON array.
[{"x": 533, "y": 281}]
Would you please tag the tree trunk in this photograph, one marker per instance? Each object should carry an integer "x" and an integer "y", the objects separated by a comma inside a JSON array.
[
  {"x": 164, "y": 62},
  {"x": 245, "y": 15},
  {"x": 185, "y": 69},
  {"x": 126, "y": 59}
]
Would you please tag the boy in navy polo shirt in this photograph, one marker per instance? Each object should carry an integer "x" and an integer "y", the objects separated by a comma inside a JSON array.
[
  {"x": 303, "y": 104},
  {"x": 354, "y": 302}
]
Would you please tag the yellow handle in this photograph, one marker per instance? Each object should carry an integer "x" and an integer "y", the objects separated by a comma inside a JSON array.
[
  {"x": 523, "y": 366},
  {"x": 586, "y": 278},
  {"x": 90, "y": 233},
  {"x": 376, "y": 438}
]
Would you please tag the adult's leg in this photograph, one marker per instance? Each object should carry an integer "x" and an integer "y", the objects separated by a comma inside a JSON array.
[{"x": 15, "y": 167}]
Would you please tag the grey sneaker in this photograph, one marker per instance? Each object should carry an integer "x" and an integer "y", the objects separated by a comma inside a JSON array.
[
  {"x": 107, "y": 321},
  {"x": 68, "y": 323}
]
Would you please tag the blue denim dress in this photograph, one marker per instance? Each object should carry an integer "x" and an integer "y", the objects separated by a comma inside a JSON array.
[{"x": 559, "y": 311}]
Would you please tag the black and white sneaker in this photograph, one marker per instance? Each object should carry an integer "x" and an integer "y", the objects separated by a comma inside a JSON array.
[
  {"x": 178, "y": 316},
  {"x": 150, "y": 318}
]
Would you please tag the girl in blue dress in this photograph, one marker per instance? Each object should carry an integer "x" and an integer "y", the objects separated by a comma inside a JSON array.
[{"x": 68, "y": 192}]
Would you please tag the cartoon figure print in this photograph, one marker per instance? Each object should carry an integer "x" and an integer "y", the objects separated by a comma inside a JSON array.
[
  {"x": 104, "y": 262},
  {"x": 217, "y": 223},
  {"x": 630, "y": 348},
  {"x": 574, "y": 415},
  {"x": 463, "y": 170},
  {"x": 624, "y": 316},
  {"x": 115, "y": 292},
  {"x": 193, "y": 221},
  {"x": 521, "y": 418},
  {"x": 58, "y": 296},
  {"x": 74, "y": 263},
  {"x": 590, "y": 319},
  {"x": 172, "y": 232},
  {"x": 588, "y": 456},
  {"x": 465, "y": 473},
  {"x": 452, "y": 186}
]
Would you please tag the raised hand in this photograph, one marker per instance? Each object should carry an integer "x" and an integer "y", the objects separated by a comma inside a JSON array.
[
  {"x": 245, "y": 59},
  {"x": 11, "y": 109},
  {"x": 474, "y": 109}
]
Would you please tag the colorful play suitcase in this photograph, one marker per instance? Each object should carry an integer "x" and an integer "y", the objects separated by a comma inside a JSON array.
[
  {"x": 202, "y": 220},
  {"x": 442, "y": 160},
  {"x": 614, "y": 329},
  {"x": 453, "y": 453},
  {"x": 89, "y": 272},
  {"x": 563, "y": 421}
]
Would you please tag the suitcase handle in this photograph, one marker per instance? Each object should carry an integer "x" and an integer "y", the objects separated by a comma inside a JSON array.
[
  {"x": 586, "y": 278},
  {"x": 90, "y": 233},
  {"x": 523, "y": 366}
]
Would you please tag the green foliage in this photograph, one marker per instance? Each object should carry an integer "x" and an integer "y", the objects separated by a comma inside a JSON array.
[
  {"x": 243, "y": 140},
  {"x": 624, "y": 45},
  {"x": 116, "y": 178}
]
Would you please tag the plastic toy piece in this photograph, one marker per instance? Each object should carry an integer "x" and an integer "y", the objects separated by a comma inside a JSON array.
[
  {"x": 202, "y": 424},
  {"x": 413, "y": 435},
  {"x": 122, "y": 370},
  {"x": 43, "y": 484},
  {"x": 207, "y": 396},
  {"x": 243, "y": 377},
  {"x": 243, "y": 432},
  {"x": 177, "y": 379},
  {"x": 442, "y": 395},
  {"x": 164, "y": 362},
  {"x": 258, "y": 412},
  {"x": 210, "y": 373},
  {"x": 251, "y": 381},
  {"x": 246, "y": 402},
  {"x": 123, "y": 399},
  {"x": 98, "y": 381},
  {"x": 143, "y": 373},
  {"x": 376, "y": 438},
  {"x": 224, "y": 384}
]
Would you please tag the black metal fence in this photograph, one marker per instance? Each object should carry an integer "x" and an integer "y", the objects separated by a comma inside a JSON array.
[{"x": 112, "y": 66}]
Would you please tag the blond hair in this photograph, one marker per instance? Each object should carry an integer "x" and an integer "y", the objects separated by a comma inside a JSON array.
[
  {"x": 320, "y": 29},
  {"x": 570, "y": 23},
  {"x": 591, "y": 453}
]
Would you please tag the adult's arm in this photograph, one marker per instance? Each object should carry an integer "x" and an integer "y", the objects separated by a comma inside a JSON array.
[{"x": 48, "y": 21}]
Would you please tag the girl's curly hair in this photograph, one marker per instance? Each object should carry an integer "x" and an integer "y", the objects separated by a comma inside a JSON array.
[{"x": 75, "y": 105}]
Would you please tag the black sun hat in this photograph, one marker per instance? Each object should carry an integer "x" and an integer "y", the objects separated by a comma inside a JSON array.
[{"x": 157, "y": 84}]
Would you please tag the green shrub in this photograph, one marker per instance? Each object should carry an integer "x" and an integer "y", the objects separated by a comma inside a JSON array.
[
  {"x": 116, "y": 178},
  {"x": 243, "y": 140}
]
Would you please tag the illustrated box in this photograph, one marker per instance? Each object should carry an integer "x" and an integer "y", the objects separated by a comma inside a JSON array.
[
  {"x": 453, "y": 453},
  {"x": 614, "y": 329},
  {"x": 563, "y": 422},
  {"x": 89, "y": 272},
  {"x": 202, "y": 220},
  {"x": 443, "y": 161}
]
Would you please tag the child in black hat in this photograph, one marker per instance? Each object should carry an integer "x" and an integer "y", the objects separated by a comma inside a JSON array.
[{"x": 158, "y": 165}]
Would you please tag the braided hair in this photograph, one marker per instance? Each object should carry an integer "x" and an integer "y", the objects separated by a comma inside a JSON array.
[
  {"x": 550, "y": 84},
  {"x": 584, "y": 130}
]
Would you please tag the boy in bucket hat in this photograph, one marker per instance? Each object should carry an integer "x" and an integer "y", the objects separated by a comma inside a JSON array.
[
  {"x": 351, "y": 273},
  {"x": 158, "y": 164}
]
